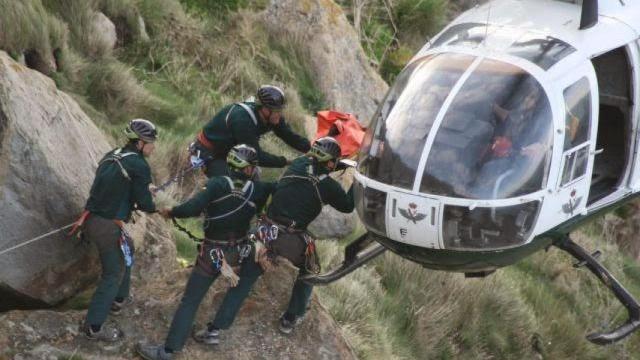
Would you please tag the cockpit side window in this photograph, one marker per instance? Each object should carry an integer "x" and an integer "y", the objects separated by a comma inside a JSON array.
[
  {"x": 577, "y": 100},
  {"x": 392, "y": 148}
]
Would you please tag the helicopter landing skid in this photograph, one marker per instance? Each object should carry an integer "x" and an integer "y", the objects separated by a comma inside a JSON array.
[
  {"x": 356, "y": 254},
  {"x": 629, "y": 302}
]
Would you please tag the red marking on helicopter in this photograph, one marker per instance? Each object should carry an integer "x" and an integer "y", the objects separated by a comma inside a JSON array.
[{"x": 412, "y": 213}]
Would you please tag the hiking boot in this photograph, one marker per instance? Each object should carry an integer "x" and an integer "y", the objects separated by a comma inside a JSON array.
[
  {"x": 205, "y": 336},
  {"x": 153, "y": 352},
  {"x": 107, "y": 333},
  {"x": 118, "y": 306},
  {"x": 286, "y": 326}
]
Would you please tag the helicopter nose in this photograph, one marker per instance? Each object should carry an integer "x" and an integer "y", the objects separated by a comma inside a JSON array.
[{"x": 435, "y": 223}]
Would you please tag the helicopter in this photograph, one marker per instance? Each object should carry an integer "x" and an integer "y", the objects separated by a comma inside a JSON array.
[{"x": 514, "y": 125}]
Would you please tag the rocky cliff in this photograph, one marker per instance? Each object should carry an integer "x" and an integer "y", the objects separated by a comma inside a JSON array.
[{"x": 332, "y": 48}]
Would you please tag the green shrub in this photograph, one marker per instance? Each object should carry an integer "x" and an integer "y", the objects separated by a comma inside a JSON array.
[{"x": 395, "y": 62}]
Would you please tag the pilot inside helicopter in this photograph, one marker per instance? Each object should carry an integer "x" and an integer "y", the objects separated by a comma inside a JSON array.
[{"x": 515, "y": 146}]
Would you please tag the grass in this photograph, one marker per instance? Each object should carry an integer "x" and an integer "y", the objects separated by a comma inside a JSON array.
[{"x": 539, "y": 308}]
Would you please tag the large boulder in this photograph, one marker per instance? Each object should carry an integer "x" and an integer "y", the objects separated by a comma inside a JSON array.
[
  {"x": 321, "y": 31},
  {"x": 48, "y": 154},
  {"x": 102, "y": 36}
]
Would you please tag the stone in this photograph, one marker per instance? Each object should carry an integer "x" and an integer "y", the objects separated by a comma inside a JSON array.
[
  {"x": 320, "y": 30},
  {"x": 102, "y": 37},
  {"x": 143, "y": 35},
  {"x": 48, "y": 154},
  {"x": 254, "y": 334}
]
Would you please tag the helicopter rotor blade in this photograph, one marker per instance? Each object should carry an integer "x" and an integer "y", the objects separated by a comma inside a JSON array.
[
  {"x": 356, "y": 254},
  {"x": 629, "y": 302}
]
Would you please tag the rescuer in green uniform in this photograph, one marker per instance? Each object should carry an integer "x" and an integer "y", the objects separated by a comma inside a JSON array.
[
  {"x": 306, "y": 181},
  {"x": 120, "y": 186},
  {"x": 244, "y": 123},
  {"x": 230, "y": 203}
]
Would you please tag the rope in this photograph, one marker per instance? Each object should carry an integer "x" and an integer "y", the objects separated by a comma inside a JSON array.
[
  {"x": 185, "y": 230},
  {"x": 179, "y": 176},
  {"x": 25, "y": 243}
]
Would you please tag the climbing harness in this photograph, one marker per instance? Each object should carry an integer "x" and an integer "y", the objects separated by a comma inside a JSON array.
[
  {"x": 116, "y": 157},
  {"x": 310, "y": 177},
  {"x": 244, "y": 194},
  {"x": 246, "y": 108},
  {"x": 268, "y": 231}
]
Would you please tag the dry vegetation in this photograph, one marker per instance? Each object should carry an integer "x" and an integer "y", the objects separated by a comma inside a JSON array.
[{"x": 214, "y": 52}]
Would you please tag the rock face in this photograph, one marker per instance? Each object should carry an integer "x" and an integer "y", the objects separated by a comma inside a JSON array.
[
  {"x": 48, "y": 152},
  {"x": 330, "y": 44},
  {"x": 103, "y": 33},
  {"x": 45, "y": 334}
]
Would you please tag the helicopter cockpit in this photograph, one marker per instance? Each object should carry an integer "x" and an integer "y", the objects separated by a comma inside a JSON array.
[{"x": 460, "y": 145}]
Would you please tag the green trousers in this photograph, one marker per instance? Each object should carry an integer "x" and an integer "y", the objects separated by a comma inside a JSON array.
[
  {"x": 197, "y": 287},
  {"x": 115, "y": 280},
  {"x": 298, "y": 302}
]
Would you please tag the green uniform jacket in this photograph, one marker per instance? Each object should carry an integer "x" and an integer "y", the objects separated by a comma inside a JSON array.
[
  {"x": 297, "y": 199},
  {"x": 112, "y": 195},
  {"x": 236, "y": 223},
  {"x": 240, "y": 129}
]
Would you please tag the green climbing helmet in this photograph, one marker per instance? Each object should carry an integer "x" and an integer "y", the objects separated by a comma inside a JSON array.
[
  {"x": 325, "y": 149},
  {"x": 241, "y": 156},
  {"x": 141, "y": 129}
]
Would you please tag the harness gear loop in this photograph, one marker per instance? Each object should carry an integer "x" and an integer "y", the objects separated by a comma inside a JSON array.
[{"x": 217, "y": 256}]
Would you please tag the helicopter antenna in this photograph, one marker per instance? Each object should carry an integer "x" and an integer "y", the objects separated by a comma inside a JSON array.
[
  {"x": 589, "y": 16},
  {"x": 486, "y": 27}
]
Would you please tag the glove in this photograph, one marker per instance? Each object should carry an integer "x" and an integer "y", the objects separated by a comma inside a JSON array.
[
  {"x": 229, "y": 274},
  {"x": 261, "y": 256}
]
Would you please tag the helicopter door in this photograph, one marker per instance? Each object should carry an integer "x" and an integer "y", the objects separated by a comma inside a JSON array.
[
  {"x": 580, "y": 126},
  {"x": 413, "y": 219}
]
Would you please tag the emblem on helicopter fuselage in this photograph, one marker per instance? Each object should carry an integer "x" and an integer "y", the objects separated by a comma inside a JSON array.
[
  {"x": 411, "y": 213},
  {"x": 570, "y": 206}
]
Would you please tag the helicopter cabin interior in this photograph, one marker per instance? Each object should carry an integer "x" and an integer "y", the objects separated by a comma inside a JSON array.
[{"x": 614, "y": 140}]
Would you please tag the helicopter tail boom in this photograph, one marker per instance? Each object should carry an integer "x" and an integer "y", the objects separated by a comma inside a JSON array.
[{"x": 629, "y": 302}]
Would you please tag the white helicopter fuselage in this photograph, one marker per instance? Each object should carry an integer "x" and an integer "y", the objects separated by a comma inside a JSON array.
[{"x": 510, "y": 123}]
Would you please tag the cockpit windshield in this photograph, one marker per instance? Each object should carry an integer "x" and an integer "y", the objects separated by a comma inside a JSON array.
[
  {"x": 494, "y": 140},
  {"x": 406, "y": 116}
]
